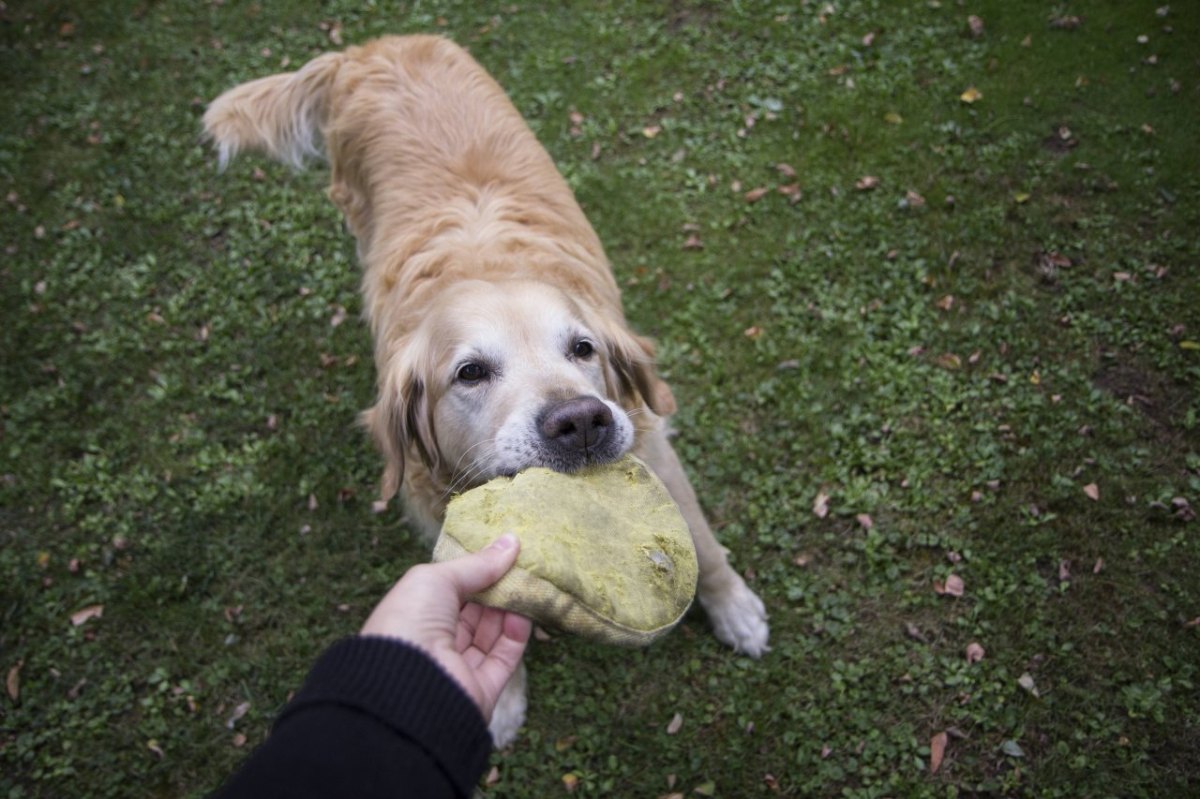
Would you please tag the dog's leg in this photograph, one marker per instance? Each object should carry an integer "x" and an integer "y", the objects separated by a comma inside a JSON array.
[
  {"x": 737, "y": 614},
  {"x": 509, "y": 714}
]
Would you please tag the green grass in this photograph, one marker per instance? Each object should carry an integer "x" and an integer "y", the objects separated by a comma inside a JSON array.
[{"x": 179, "y": 440}]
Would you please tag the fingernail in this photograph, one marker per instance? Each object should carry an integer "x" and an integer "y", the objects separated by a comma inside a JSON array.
[{"x": 506, "y": 541}]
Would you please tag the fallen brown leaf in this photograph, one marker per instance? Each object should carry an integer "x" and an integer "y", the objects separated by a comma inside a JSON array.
[
  {"x": 1066, "y": 23},
  {"x": 754, "y": 195},
  {"x": 13, "y": 683},
  {"x": 238, "y": 712},
  {"x": 90, "y": 612},
  {"x": 937, "y": 751},
  {"x": 948, "y": 360},
  {"x": 820, "y": 505},
  {"x": 866, "y": 183},
  {"x": 335, "y": 34},
  {"x": 971, "y": 95},
  {"x": 953, "y": 586},
  {"x": 786, "y": 170},
  {"x": 675, "y": 724},
  {"x": 865, "y": 520},
  {"x": 914, "y": 632}
]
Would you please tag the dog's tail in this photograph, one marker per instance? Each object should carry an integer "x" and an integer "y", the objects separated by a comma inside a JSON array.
[{"x": 280, "y": 115}]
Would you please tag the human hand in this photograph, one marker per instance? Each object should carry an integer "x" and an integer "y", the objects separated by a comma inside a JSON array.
[{"x": 479, "y": 647}]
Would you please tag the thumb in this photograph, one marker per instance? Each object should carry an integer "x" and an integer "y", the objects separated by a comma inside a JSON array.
[{"x": 480, "y": 570}]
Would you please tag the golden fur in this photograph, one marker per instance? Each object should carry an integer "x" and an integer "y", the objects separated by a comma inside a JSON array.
[{"x": 473, "y": 250}]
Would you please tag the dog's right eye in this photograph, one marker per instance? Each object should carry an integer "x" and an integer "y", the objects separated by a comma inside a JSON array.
[{"x": 471, "y": 372}]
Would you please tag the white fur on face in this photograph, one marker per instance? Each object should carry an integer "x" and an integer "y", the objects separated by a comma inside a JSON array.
[{"x": 521, "y": 336}]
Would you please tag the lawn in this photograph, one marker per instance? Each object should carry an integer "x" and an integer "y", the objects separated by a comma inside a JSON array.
[{"x": 925, "y": 278}]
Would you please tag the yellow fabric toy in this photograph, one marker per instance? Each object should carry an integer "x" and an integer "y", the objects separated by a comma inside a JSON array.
[{"x": 604, "y": 553}]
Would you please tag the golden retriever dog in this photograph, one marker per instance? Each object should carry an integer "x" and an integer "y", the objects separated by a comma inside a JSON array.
[{"x": 500, "y": 341}]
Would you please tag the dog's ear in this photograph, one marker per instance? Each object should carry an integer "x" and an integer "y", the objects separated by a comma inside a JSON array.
[
  {"x": 631, "y": 361},
  {"x": 401, "y": 417},
  {"x": 280, "y": 115}
]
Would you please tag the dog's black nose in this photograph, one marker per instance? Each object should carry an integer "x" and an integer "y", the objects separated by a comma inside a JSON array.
[{"x": 574, "y": 425}]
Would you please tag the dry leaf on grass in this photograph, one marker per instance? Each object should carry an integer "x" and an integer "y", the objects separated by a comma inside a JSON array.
[
  {"x": 937, "y": 751},
  {"x": 975, "y": 652},
  {"x": 1026, "y": 682},
  {"x": 953, "y": 586},
  {"x": 238, "y": 712},
  {"x": 948, "y": 360},
  {"x": 676, "y": 724},
  {"x": 820, "y": 505},
  {"x": 1093, "y": 491},
  {"x": 90, "y": 612},
  {"x": 13, "y": 683}
]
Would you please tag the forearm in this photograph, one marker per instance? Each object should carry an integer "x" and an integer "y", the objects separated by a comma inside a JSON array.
[{"x": 375, "y": 717}]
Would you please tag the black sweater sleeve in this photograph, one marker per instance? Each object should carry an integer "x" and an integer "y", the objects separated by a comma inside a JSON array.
[{"x": 376, "y": 717}]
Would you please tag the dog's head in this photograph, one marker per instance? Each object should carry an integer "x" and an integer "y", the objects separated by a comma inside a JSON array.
[{"x": 502, "y": 376}]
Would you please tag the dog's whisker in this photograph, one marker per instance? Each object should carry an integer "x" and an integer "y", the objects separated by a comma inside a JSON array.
[{"x": 468, "y": 476}]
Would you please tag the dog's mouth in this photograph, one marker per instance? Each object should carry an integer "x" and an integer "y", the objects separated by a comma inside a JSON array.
[
  {"x": 565, "y": 437},
  {"x": 564, "y": 465}
]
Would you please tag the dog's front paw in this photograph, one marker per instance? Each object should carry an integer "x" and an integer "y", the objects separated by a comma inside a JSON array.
[
  {"x": 738, "y": 617},
  {"x": 509, "y": 714}
]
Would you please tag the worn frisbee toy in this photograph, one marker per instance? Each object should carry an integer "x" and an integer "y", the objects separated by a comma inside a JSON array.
[{"x": 604, "y": 553}]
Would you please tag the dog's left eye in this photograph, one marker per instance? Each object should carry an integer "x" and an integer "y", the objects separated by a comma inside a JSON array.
[
  {"x": 582, "y": 349},
  {"x": 472, "y": 373}
]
